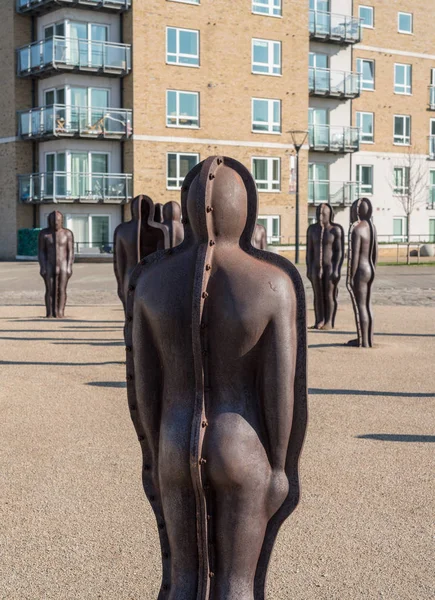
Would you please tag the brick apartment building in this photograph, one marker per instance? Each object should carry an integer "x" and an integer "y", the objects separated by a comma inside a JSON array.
[{"x": 105, "y": 99}]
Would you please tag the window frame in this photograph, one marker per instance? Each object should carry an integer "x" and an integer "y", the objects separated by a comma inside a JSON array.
[
  {"x": 177, "y": 115},
  {"x": 406, "y": 86},
  {"x": 365, "y": 189},
  {"x": 270, "y": 110},
  {"x": 359, "y": 120},
  {"x": 270, "y": 53},
  {"x": 404, "y": 190},
  {"x": 395, "y": 136},
  {"x": 402, "y": 237},
  {"x": 269, "y": 182},
  {"x": 177, "y": 53},
  {"x": 177, "y": 178},
  {"x": 269, "y": 223},
  {"x": 372, "y": 8},
  {"x": 270, "y": 7},
  {"x": 90, "y": 216},
  {"x": 408, "y": 14},
  {"x": 361, "y": 71}
]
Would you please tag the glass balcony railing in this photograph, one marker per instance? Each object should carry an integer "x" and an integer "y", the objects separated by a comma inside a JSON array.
[
  {"x": 42, "y": 6},
  {"x": 432, "y": 97},
  {"x": 341, "y": 84},
  {"x": 59, "y": 120},
  {"x": 333, "y": 138},
  {"x": 334, "y": 192},
  {"x": 60, "y": 53},
  {"x": 112, "y": 188},
  {"x": 334, "y": 28}
]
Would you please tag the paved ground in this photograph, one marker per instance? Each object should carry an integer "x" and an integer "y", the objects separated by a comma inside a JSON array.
[{"x": 75, "y": 524}]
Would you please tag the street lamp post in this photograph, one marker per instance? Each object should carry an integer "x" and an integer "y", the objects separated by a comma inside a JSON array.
[{"x": 298, "y": 138}]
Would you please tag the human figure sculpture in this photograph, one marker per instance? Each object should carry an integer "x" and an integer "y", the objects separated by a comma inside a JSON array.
[
  {"x": 363, "y": 253},
  {"x": 259, "y": 237},
  {"x": 216, "y": 378},
  {"x": 172, "y": 220},
  {"x": 136, "y": 239},
  {"x": 324, "y": 258},
  {"x": 56, "y": 258},
  {"x": 158, "y": 212}
]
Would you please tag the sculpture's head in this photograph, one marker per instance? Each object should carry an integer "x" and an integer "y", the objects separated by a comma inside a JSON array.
[
  {"x": 158, "y": 212},
  {"x": 172, "y": 211},
  {"x": 55, "y": 220},
  {"x": 142, "y": 205},
  {"x": 324, "y": 214},
  {"x": 226, "y": 212},
  {"x": 361, "y": 210}
]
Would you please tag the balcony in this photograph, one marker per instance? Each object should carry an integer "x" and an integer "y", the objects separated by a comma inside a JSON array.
[
  {"x": 337, "y": 193},
  {"x": 39, "y": 7},
  {"x": 60, "y": 121},
  {"x": 329, "y": 27},
  {"x": 48, "y": 57},
  {"x": 333, "y": 138},
  {"x": 106, "y": 188},
  {"x": 333, "y": 84},
  {"x": 432, "y": 97}
]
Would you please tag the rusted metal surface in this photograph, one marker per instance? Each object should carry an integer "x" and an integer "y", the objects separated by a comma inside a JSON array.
[
  {"x": 136, "y": 239},
  {"x": 324, "y": 258},
  {"x": 362, "y": 259},
  {"x": 158, "y": 212},
  {"x": 259, "y": 237},
  {"x": 56, "y": 258},
  {"x": 172, "y": 220},
  {"x": 216, "y": 377}
]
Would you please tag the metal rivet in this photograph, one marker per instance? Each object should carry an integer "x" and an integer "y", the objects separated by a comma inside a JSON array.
[
  {"x": 130, "y": 377},
  {"x": 205, "y": 352},
  {"x": 202, "y": 461},
  {"x": 204, "y": 294},
  {"x": 141, "y": 438},
  {"x": 219, "y": 161},
  {"x": 209, "y": 209},
  {"x": 211, "y": 574},
  {"x": 128, "y": 348},
  {"x": 185, "y": 221},
  {"x": 129, "y": 318},
  {"x": 205, "y": 423},
  {"x": 211, "y": 176},
  {"x": 203, "y": 325},
  {"x": 208, "y": 517},
  {"x": 207, "y": 267},
  {"x": 131, "y": 288},
  {"x": 212, "y": 242}
]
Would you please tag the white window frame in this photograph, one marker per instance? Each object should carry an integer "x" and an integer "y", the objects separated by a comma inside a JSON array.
[
  {"x": 408, "y": 14},
  {"x": 403, "y": 190},
  {"x": 269, "y": 182},
  {"x": 270, "y": 122},
  {"x": 407, "y": 86},
  {"x": 402, "y": 237},
  {"x": 178, "y": 179},
  {"x": 359, "y": 62},
  {"x": 366, "y": 190},
  {"x": 371, "y": 8},
  {"x": 269, "y": 227},
  {"x": 177, "y": 116},
  {"x": 194, "y": 2},
  {"x": 270, "y": 7},
  {"x": 396, "y": 137},
  {"x": 359, "y": 121},
  {"x": 178, "y": 55},
  {"x": 90, "y": 216},
  {"x": 270, "y": 53}
]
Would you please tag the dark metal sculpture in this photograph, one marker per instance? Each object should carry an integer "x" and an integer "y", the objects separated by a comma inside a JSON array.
[
  {"x": 158, "y": 212},
  {"x": 136, "y": 239},
  {"x": 56, "y": 258},
  {"x": 324, "y": 258},
  {"x": 363, "y": 252},
  {"x": 172, "y": 220},
  {"x": 216, "y": 377},
  {"x": 259, "y": 237}
]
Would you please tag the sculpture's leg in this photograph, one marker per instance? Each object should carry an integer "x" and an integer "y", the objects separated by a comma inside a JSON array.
[
  {"x": 318, "y": 302},
  {"x": 362, "y": 299},
  {"x": 179, "y": 508},
  {"x": 330, "y": 302},
  {"x": 49, "y": 290},
  {"x": 62, "y": 281}
]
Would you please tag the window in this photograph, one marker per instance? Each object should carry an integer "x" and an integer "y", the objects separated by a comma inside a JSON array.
[
  {"x": 402, "y": 79},
  {"x": 182, "y": 109},
  {"x": 272, "y": 224},
  {"x": 266, "y": 57},
  {"x": 367, "y": 70},
  {"x": 402, "y": 130},
  {"x": 182, "y": 47},
  {"x": 404, "y": 22},
  {"x": 432, "y": 139},
  {"x": 318, "y": 182},
  {"x": 266, "y": 115},
  {"x": 364, "y": 176},
  {"x": 90, "y": 231},
  {"x": 365, "y": 121},
  {"x": 432, "y": 193},
  {"x": 267, "y": 174},
  {"x": 366, "y": 16},
  {"x": 399, "y": 229},
  {"x": 401, "y": 181},
  {"x": 272, "y": 8},
  {"x": 432, "y": 228},
  {"x": 178, "y": 166}
]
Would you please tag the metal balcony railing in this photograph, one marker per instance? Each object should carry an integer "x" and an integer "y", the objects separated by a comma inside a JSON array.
[
  {"x": 333, "y": 138},
  {"x": 111, "y": 188},
  {"x": 339, "y": 84},
  {"x": 335, "y": 192},
  {"x": 59, "y": 53},
  {"x": 59, "y": 120},
  {"x": 432, "y": 97},
  {"x": 340, "y": 29},
  {"x": 41, "y": 6},
  {"x": 431, "y": 152}
]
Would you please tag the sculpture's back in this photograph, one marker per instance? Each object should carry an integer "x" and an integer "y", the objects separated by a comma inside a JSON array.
[
  {"x": 172, "y": 220},
  {"x": 217, "y": 333}
]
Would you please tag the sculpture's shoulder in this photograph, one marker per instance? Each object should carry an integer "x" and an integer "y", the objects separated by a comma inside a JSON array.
[
  {"x": 312, "y": 228},
  {"x": 44, "y": 232},
  {"x": 274, "y": 281},
  {"x": 69, "y": 234},
  {"x": 337, "y": 230}
]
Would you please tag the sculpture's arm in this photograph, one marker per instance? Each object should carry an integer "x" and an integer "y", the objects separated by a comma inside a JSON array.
[
  {"x": 119, "y": 265},
  {"x": 309, "y": 255},
  {"x": 375, "y": 247},
  {"x": 263, "y": 245},
  {"x": 337, "y": 254},
  {"x": 278, "y": 379},
  {"x": 70, "y": 252},
  {"x": 355, "y": 254},
  {"x": 164, "y": 242},
  {"x": 42, "y": 254}
]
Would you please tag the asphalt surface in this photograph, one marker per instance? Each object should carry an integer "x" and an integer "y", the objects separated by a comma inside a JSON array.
[{"x": 74, "y": 522}]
